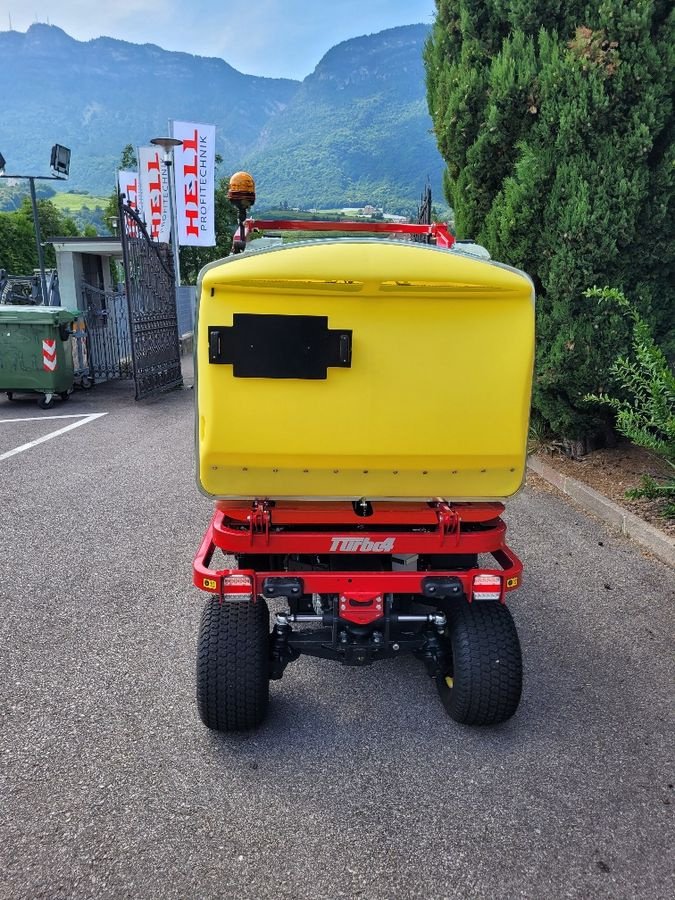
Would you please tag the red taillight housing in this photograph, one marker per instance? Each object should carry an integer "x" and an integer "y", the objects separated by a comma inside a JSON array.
[
  {"x": 237, "y": 587},
  {"x": 487, "y": 587}
]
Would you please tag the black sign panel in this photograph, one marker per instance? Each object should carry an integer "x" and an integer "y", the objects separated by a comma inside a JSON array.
[{"x": 267, "y": 346}]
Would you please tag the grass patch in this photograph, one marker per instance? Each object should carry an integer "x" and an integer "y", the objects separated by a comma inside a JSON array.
[{"x": 74, "y": 202}]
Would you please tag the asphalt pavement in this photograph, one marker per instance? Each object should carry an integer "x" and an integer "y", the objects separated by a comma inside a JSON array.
[{"x": 358, "y": 785}]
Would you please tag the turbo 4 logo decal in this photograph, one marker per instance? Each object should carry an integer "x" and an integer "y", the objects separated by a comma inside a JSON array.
[
  {"x": 361, "y": 545},
  {"x": 49, "y": 355}
]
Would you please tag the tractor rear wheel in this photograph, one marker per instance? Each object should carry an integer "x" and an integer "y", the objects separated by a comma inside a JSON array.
[
  {"x": 483, "y": 679},
  {"x": 233, "y": 664}
]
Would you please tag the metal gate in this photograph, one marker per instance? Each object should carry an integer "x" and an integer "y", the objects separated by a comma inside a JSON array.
[
  {"x": 108, "y": 338},
  {"x": 151, "y": 295}
]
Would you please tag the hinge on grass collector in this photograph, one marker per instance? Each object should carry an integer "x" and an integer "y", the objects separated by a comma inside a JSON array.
[
  {"x": 448, "y": 521},
  {"x": 260, "y": 519}
]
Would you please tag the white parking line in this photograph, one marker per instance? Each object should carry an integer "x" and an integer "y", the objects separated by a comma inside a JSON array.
[
  {"x": 83, "y": 417},
  {"x": 40, "y": 418}
]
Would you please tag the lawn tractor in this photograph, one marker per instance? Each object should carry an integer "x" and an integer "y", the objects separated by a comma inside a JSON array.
[{"x": 362, "y": 405}]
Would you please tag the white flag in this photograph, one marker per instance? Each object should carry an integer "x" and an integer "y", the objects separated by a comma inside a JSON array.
[
  {"x": 128, "y": 185},
  {"x": 154, "y": 201},
  {"x": 194, "y": 177}
]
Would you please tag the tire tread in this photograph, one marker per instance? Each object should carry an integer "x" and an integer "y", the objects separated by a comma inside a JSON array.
[
  {"x": 487, "y": 664},
  {"x": 233, "y": 664}
]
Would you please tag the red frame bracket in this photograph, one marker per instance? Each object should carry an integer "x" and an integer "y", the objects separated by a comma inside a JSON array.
[
  {"x": 361, "y": 607},
  {"x": 401, "y": 528},
  {"x": 449, "y": 521},
  {"x": 259, "y": 520},
  {"x": 221, "y": 534},
  {"x": 437, "y": 232}
]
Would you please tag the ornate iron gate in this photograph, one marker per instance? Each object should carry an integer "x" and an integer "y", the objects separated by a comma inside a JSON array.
[
  {"x": 151, "y": 295},
  {"x": 108, "y": 353}
]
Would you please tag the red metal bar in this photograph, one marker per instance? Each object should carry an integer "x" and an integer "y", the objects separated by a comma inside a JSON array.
[
  {"x": 388, "y": 582},
  {"x": 342, "y": 513},
  {"x": 203, "y": 577},
  {"x": 233, "y": 539},
  {"x": 212, "y": 581},
  {"x": 437, "y": 230},
  {"x": 444, "y": 238}
]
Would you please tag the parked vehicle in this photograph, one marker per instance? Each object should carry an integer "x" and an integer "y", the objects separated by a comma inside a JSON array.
[{"x": 362, "y": 410}]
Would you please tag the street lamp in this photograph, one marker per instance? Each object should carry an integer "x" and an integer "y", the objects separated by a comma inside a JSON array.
[
  {"x": 60, "y": 166},
  {"x": 167, "y": 144}
]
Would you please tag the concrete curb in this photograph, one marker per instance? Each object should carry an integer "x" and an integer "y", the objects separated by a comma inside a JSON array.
[{"x": 626, "y": 522}]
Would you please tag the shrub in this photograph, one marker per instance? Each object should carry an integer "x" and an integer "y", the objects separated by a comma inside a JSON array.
[
  {"x": 645, "y": 411},
  {"x": 556, "y": 124}
]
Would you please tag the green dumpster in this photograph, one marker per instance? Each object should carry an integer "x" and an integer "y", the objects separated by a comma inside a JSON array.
[{"x": 35, "y": 352}]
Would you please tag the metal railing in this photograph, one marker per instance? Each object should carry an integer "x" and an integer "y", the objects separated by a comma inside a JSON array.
[{"x": 108, "y": 338}]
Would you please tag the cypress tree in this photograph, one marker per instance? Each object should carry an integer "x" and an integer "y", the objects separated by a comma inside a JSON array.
[{"x": 556, "y": 122}]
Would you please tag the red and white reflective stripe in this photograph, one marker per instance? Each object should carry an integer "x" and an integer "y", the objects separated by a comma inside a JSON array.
[
  {"x": 487, "y": 587},
  {"x": 49, "y": 355}
]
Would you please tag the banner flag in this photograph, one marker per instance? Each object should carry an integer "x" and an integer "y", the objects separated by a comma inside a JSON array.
[
  {"x": 194, "y": 178},
  {"x": 128, "y": 184},
  {"x": 154, "y": 191}
]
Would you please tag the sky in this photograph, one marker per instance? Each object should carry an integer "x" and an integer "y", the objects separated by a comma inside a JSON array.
[{"x": 277, "y": 38}]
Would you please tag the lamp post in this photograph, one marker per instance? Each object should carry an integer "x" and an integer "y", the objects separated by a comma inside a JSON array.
[
  {"x": 38, "y": 239},
  {"x": 167, "y": 144},
  {"x": 60, "y": 165}
]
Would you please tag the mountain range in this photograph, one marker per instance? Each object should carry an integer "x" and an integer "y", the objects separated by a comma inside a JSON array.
[{"x": 355, "y": 131}]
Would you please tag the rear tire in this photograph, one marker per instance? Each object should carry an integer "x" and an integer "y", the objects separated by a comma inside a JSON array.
[
  {"x": 233, "y": 664},
  {"x": 483, "y": 682}
]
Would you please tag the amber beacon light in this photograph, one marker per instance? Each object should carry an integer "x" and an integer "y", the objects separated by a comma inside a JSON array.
[
  {"x": 241, "y": 194},
  {"x": 242, "y": 190}
]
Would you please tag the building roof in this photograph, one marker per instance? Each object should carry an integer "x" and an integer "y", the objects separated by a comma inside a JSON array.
[{"x": 100, "y": 245}]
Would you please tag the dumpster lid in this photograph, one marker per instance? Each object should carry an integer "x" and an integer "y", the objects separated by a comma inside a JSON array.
[{"x": 36, "y": 315}]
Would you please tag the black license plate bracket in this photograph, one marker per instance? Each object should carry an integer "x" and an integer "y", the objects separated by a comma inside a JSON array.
[{"x": 280, "y": 346}]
